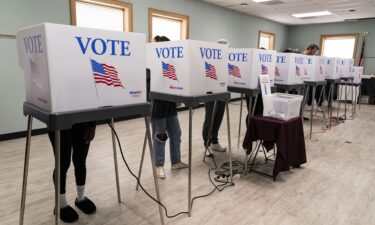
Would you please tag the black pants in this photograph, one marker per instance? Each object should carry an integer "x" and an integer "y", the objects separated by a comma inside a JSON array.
[
  {"x": 318, "y": 91},
  {"x": 219, "y": 114},
  {"x": 72, "y": 146}
]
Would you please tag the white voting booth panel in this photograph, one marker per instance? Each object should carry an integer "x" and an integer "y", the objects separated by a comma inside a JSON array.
[
  {"x": 346, "y": 67},
  {"x": 246, "y": 64},
  {"x": 288, "y": 69},
  {"x": 69, "y": 68},
  {"x": 188, "y": 67},
  {"x": 332, "y": 68},
  {"x": 357, "y": 73},
  {"x": 314, "y": 68}
]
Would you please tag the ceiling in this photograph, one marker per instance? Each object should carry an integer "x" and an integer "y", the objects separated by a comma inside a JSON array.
[{"x": 281, "y": 10}]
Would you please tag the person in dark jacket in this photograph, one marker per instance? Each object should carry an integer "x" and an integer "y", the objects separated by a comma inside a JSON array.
[
  {"x": 74, "y": 146},
  {"x": 164, "y": 123}
]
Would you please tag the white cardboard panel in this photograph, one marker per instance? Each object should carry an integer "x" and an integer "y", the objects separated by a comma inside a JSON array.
[
  {"x": 194, "y": 67},
  {"x": 357, "y": 72},
  {"x": 67, "y": 69}
]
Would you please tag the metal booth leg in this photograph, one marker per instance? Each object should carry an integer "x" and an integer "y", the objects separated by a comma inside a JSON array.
[
  {"x": 26, "y": 168},
  {"x": 142, "y": 159},
  {"x": 57, "y": 176},
  {"x": 239, "y": 126},
  {"x": 190, "y": 158},
  {"x": 312, "y": 109},
  {"x": 229, "y": 143},
  {"x": 359, "y": 97},
  {"x": 148, "y": 134},
  {"x": 339, "y": 101},
  {"x": 330, "y": 103},
  {"x": 143, "y": 152},
  {"x": 115, "y": 161}
]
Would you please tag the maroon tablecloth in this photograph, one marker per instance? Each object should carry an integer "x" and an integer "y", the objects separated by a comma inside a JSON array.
[{"x": 288, "y": 136}]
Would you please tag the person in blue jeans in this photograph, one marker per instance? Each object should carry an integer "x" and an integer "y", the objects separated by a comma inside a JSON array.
[{"x": 165, "y": 124}]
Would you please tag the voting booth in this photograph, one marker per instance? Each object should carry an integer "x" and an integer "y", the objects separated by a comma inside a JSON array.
[
  {"x": 71, "y": 68},
  {"x": 288, "y": 69},
  {"x": 315, "y": 68},
  {"x": 246, "y": 64},
  {"x": 346, "y": 67},
  {"x": 188, "y": 67},
  {"x": 332, "y": 68},
  {"x": 357, "y": 72}
]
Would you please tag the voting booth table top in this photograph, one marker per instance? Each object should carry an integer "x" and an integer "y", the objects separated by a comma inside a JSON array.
[
  {"x": 84, "y": 79},
  {"x": 288, "y": 137}
]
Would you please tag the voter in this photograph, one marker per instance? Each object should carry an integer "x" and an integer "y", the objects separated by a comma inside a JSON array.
[{"x": 75, "y": 144}]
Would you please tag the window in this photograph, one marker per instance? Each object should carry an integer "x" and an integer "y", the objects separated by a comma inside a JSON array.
[
  {"x": 342, "y": 46},
  {"x": 102, "y": 14},
  {"x": 266, "y": 40},
  {"x": 172, "y": 25}
]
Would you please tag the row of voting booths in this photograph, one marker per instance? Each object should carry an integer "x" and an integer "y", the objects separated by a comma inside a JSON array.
[{"x": 84, "y": 73}]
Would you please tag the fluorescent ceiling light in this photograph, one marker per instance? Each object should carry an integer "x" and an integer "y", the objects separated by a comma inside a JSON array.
[
  {"x": 312, "y": 14},
  {"x": 261, "y": 0}
]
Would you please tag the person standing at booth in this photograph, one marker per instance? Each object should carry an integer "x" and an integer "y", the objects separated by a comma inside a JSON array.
[
  {"x": 164, "y": 123},
  {"x": 75, "y": 144},
  {"x": 212, "y": 142},
  {"x": 312, "y": 49}
]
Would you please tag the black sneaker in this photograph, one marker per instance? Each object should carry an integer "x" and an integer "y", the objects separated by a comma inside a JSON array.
[
  {"x": 86, "y": 205},
  {"x": 68, "y": 214}
]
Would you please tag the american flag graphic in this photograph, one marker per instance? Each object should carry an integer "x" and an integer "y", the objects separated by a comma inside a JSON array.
[
  {"x": 35, "y": 74},
  {"x": 321, "y": 70},
  {"x": 264, "y": 70},
  {"x": 306, "y": 72},
  {"x": 105, "y": 74},
  {"x": 298, "y": 71},
  {"x": 234, "y": 70},
  {"x": 210, "y": 71},
  {"x": 277, "y": 71},
  {"x": 169, "y": 71}
]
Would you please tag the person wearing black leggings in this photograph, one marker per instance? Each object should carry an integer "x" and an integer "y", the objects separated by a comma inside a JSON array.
[{"x": 74, "y": 146}]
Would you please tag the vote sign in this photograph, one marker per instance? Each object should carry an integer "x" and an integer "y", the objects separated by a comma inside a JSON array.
[
  {"x": 357, "y": 73},
  {"x": 187, "y": 67},
  {"x": 346, "y": 67},
  {"x": 71, "y": 68},
  {"x": 246, "y": 64},
  {"x": 314, "y": 68},
  {"x": 288, "y": 68}
]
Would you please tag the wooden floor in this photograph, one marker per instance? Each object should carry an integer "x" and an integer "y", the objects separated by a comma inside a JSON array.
[{"x": 336, "y": 186}]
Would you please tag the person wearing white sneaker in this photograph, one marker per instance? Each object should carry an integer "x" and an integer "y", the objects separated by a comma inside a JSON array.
[
  {"x": 211, "y": 141},
  {"x": 320, "y": 109},
  {"x": 165, "y": 124}
]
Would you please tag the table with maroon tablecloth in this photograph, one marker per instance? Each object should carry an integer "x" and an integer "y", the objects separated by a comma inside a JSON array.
[{"x": 287, "y": 135}]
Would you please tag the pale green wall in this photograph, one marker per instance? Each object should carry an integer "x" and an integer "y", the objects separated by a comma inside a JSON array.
[
  {"x": 207, "y": 22},
  {"x": 301, "y": 36}
]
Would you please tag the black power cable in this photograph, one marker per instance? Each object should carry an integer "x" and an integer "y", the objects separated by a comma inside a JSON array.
[{"x": 219, "y": 187}]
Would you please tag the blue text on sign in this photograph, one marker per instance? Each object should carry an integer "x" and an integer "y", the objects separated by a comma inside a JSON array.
[
  {"x": 100, "y": 46},
  {"x": 280, "y": 59},
  {"x": 169, "y": 52},
  {"x": 239, "y": 57},
  {"x": 265, "y": 57},
  {"x": 33, "y": 44},
  {"x": 211, "y": 53}
]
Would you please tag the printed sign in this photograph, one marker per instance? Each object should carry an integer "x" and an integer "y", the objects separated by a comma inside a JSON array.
[
  {"x": 72, "y": 68},
  {"x": 187, "y": 67}
]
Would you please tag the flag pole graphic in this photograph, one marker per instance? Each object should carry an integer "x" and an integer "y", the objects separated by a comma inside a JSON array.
[{"x": 93, "y": 79}]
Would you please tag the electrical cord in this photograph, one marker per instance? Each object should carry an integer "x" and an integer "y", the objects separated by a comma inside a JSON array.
[{"x": 219, "y": 187}]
